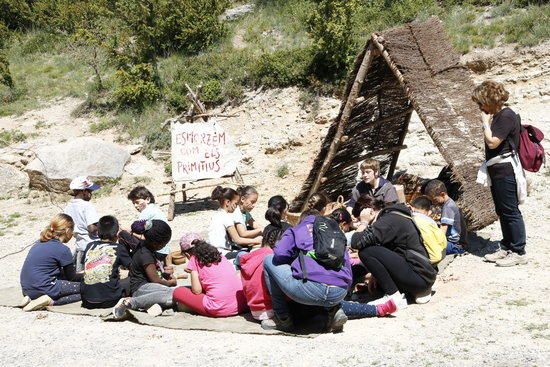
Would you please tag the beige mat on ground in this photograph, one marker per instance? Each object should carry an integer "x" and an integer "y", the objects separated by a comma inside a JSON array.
[{"x": 10, "y": 297}]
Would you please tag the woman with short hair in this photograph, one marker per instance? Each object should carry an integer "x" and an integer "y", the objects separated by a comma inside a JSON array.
[{"x": 501, "y": 131}]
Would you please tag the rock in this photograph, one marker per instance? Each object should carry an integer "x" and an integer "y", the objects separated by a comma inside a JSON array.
[
  {"x": 133, "y": 149},
  {"x": 321, "y": 120},
  {"x": 239, "y": 11},
  {"x": 135, "y": 169},
  {"x": 10, "y": 158},
  {"x": 13, "y": 180},
  {"x": 55, "y": 166}
]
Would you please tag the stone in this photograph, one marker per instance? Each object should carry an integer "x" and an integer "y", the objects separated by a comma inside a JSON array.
[
  {"x": 56, "y": 165},
  {"x": 13, "y": 180},
  {"x": 135, "y": 169},
  {"x": 237, "y": 12},
  {"x": 133, "y": 149}
]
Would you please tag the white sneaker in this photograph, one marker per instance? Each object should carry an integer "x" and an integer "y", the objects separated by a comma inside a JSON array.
[
  {"x": 24, "y": 301},
  {"x": 379, "y": 301},
  {"x": 512, "y": 259},
  {"x": 155, "y": 310},
  {"x": 121, "y": 308},
  {"x": 423, "y": 297},
  {"x": 495, "y": 256},
  {"x": 38, "y": 304},
  {"x": 398, "y": 298}
]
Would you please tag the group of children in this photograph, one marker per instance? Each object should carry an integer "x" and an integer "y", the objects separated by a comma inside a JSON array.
[{"x": 240, "y": 266}]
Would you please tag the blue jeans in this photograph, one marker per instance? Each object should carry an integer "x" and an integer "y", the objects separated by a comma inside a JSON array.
[
  {"x": 506, "y": 202},
  {"x": 453, "y": 248},
  {"x": 281, "y": 283}
]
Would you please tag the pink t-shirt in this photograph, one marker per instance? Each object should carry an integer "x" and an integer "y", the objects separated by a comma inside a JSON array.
[{"x": 222, "y": 288}]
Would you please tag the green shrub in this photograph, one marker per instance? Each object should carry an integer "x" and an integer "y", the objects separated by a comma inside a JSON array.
[
  {"x": 135, "y": 87},
  {"x": 282, "y": 68},
  {"x": 16, "y": 14},
  {"x": 8, "y": 137},
  {"x": 211, "y": 92},
  {"x": 5, "y": 75},
  {"x": 330, "y": 25},
  {"x": 223, "y": 68}
]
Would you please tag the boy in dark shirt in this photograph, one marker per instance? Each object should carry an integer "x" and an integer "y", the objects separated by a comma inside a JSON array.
[
  {"x": 450, "y": 215},
  {"x": 372, "y": 184},
  {"x": 101, "y": 286}
]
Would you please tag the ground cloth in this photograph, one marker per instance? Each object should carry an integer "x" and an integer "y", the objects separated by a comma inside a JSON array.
[{"x": 243, "y": 324}]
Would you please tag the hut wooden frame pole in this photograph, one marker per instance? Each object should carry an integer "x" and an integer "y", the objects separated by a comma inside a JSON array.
[{"x": 346, "y": 113}]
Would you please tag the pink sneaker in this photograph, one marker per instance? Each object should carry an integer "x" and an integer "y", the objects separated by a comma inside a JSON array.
[{"x": 386, "y": 308}]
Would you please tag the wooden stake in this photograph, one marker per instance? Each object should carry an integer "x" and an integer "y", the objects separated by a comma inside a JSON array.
[{"x": 357, "y": 84}]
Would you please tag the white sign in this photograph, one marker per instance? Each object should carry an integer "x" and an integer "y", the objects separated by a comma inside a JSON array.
[{"x": 202, "y": 150}]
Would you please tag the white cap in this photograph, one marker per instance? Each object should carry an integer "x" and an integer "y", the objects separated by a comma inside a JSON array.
[{"x": 83, "y": 183}]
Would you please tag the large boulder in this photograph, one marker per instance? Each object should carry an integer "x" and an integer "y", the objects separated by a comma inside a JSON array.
[
  {"x": 13, "y": 180},
  {"x": 55, "y": 166}
]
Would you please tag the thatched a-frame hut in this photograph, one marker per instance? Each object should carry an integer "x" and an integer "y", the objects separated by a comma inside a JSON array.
[{"x": 413, "y": 67}]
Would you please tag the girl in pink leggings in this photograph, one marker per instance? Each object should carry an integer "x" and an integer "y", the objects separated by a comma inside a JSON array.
[{"x": 216, "y": 290}]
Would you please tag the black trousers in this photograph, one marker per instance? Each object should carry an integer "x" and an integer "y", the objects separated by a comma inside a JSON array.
[
  {"x": 505, "y": 197},
  {"x": 392, "y": 272}
]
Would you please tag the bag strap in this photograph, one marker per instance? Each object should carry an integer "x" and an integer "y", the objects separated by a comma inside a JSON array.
[
  {"x": 509, "y": 138},
  {"x": 301, "y": 255},
  {"x": 413, "y": 222}
]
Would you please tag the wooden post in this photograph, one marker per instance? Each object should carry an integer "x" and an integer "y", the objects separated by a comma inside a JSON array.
[
  {"x": 355, "y": 89},
  {"x": 172, "y": 202},
  {"x": 395, "y": 155},
  {"x": 183, "y": 193}
]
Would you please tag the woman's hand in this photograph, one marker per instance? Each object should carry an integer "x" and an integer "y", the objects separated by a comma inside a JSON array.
[{"x": 486, "y": 119}]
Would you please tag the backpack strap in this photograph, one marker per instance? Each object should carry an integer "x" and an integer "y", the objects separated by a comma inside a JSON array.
[
  {"x": 414, "y": 224},
  {"x": 509, "y": 138},
  {"x": 301, "y": 255}
]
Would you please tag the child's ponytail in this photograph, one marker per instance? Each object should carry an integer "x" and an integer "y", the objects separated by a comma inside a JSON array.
[
  {"x": 220, "y": 194},
  {"x": 276, "y": 207},
  {"x": 61, "y": 227},
  {"x": 317, "y": 201}
]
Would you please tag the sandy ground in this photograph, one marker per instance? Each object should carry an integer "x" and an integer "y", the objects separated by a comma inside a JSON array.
[{"x": 480, "y": 314}]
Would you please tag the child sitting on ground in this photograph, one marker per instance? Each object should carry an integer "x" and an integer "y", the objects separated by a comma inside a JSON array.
[
  {"x": 450, "y": 215},
  {"x": 222, "y": 233},
  {"x": 434, "y": 239},
  {"x": 151, "y": 286},
  {"x": 48, "y": 276},
  {"x": 101, "y": 286},
  {"x": 144, "y": 202},
  {"x": 276, "y": 212},
  {"x": 245, "y": 224},
  {"x": 372, "y": 184},
  {"x": 84, "y": 215},
  {"x": 216, "y": 290}
]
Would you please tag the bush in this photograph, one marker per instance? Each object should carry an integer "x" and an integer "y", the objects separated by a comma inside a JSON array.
[
  {"x": 135, "y": 87},
  {"x": 331, "y": 28},
  {"x": 16, "y": 14},
  {"x": 5, "y": 75},
  {"x": 282, "y": 68},
  {"x": 222, "y": 73}
]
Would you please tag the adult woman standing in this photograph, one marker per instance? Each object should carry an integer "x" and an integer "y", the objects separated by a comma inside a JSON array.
[{"x": 501, "y": 130}]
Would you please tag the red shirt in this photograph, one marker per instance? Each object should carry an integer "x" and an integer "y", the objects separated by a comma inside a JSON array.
[{"x": 252, "y": 275}]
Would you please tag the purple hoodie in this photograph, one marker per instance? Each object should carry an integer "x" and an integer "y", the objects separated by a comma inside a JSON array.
[{"x": 301, "y": 238}]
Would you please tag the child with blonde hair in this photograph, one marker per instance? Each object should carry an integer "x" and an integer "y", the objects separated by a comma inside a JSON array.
[{"x": 48, "y": 275}]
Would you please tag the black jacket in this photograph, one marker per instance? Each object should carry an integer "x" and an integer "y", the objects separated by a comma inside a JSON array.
[{"x": 398, "y": 234}]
